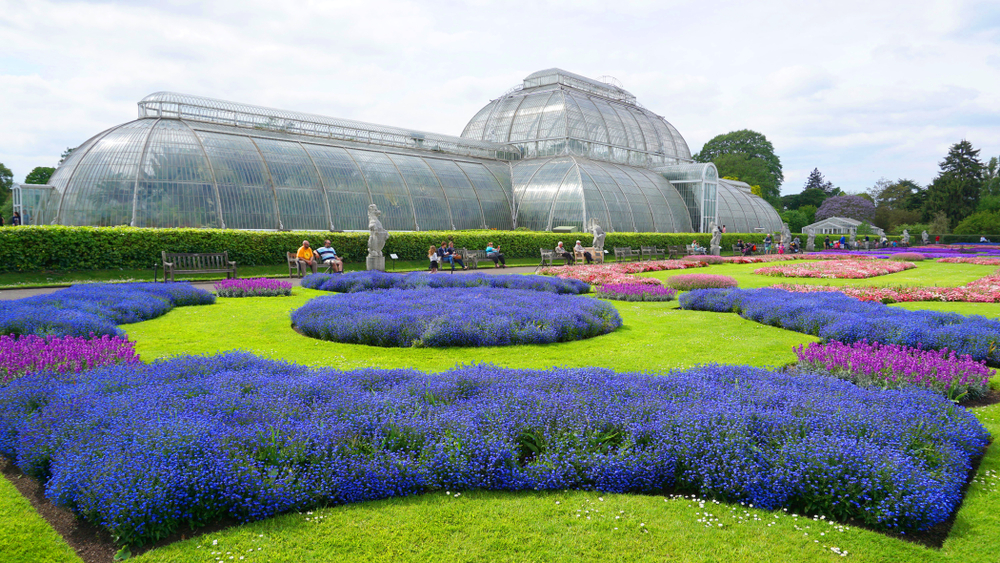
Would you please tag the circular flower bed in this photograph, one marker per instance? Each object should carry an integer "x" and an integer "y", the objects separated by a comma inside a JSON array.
[
  {"x": 635, "y": 292},
  {"x": 368, "y": 281},
  {"x": 908, "y": 257},
  {"x": 440, "y": 317},
  {"x": 252, "y": 287},
  {"x": 706, "y": 258},
  {"x": 687, "y": 282}
]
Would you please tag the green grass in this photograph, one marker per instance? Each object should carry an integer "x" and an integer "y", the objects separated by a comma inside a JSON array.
[
  {"x": 25, "y": 536},
  {"x": 496, "y": 526}
]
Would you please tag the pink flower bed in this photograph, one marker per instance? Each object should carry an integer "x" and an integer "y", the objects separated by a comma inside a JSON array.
[
  {"x": 687, "y": 282},
  {"x": 845, "y": 269},
  {"x": 983, "y": 290},
  {"x": 790, "y": 257},
  {"x": 980, "y": 260},
  {"x": 618, "y": 273}
]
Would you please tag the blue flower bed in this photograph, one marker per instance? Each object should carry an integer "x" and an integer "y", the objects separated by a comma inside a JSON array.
[
  {"x": 835, "y": 316},
  {"x": 95, "y": 308},
  {"x": 372, "y": 280},
  {"x": 454, "y": 316},
  {"x": 141, "y": 450}
]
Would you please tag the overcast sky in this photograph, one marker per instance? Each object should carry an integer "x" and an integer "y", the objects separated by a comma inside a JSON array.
[{"x": 858, "y": 89}]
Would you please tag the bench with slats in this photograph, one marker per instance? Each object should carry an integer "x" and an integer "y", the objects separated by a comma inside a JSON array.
[{"x": 175, "y": 263}]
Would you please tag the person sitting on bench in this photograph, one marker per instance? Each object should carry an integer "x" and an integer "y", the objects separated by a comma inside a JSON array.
[
  {"x": 328, "y": 255},
  {"x": 563, "y": 253},
  {"x": 588, "y": 257},
  {"x": 307, "y": 257},
  {"x": 493, "y": 253},
  {"x": 452, "y": 257}
]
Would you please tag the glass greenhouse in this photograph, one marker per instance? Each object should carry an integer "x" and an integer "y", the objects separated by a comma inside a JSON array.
[{"x": 558, "y": 150}]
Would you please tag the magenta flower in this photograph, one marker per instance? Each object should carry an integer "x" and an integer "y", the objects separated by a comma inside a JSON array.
[
  {"x": 63, "y": 354},
  {"x": 252, "y": 287}
]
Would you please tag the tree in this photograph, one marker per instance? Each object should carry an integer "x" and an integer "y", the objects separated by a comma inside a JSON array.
[
  {"x": 6, "y": 182},
  {"x": 65, "y": 154},
  {"x": 816, "y": 181},
  {"x": 850, "y": 206},
  {"x": 39, "y": 175},
  {"x": 956, "y": 189},
  {"x": 893, "y": 202},
  {"x": 796, "y": 219},
  {"x": 757, "y": 165},
  {"x": 813, "y": 197},
  {"x": 991, "y": 179},
  {"x": 979, "y": 223},
  {"x": 810, "y": 212}
]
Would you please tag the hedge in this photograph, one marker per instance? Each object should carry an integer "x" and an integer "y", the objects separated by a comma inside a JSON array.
[{"x": 59, "y": 248}]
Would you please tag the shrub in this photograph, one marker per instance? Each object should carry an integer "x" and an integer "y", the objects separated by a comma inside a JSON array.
[
  {"x": 908, "y": 257},
  {"x": 353, "y": 282},
  {"x": 980, "y": 223},
  {"x": 687, "y": 282},
  {"x": 835, "y": 316},
  {"x": 252, "y": 287},
  {"x": 61, "y": 354},
  {"x": 894, "y": 367},
  {"x": 706, "y": 258},
  {"x": 95, "y": 308},
  {"x": 635, "y": 292},
  {"x": 440, "y": 317},
  {"x": 195, "y": 439}
]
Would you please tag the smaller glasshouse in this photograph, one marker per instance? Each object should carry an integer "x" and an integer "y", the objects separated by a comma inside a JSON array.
[{"x": 558, "y": 150}]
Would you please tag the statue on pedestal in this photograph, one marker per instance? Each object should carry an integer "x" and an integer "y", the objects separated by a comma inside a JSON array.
[
  {"x": 853, "y": 241},
  {"x": 811, "y": 241},
  {"x": 715, "y": 247},
  {"x": 376, "y": 239},
  {"x": 906, "y": 237},
  {"x": 599, "y": 235},
  {"x": 786, "y": 235},
  {"x": 926, "y": 238}
]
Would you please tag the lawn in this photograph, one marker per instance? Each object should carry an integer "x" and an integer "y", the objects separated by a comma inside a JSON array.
[{"x": 551, "y": 526}]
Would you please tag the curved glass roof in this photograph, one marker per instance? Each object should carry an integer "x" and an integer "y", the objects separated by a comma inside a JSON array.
[
  {"x": 157, "y": 172},
  {"x": 742, "y": 212},
  {"x": 556, "y": 112},
  {"x": 570, "y": 191},
  {"x": 234, "y": 114}
]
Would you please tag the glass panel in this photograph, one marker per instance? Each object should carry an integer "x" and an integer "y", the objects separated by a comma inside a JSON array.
[
  {"x": 104, "y": 182},
  {"x": 176, "y": 187},
  {"x": 594, "y": 205},
  {"x": 474, "y": 130},
  {"x": 616, "y": 131},
  {"x": 300, "y": 194},
  {"x": 429, "y": 201},
  {"x": 246, "y": 194},
  {"x": 619, "y": 210},
  {"x": 642, "y": 216},
  {"x": 387, "y": 189},
  {"x": 462, "y": 197},
  {"x": 497, "y": 128},
  {"x": 345, "y": 187},
  {"x": 538, "y": 194},
  {"x": 525, "y": 124},
  {"x": 597, "y": 131},
  {"x": 576, "y": 124},
  {"x": 553, "y": 122},
  {"x": 567, "y": 209},
  {"x": 493, "y": 197}
]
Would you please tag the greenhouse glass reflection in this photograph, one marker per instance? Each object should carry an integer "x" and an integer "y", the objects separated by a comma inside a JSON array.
[{"x": 559, "y": 150}]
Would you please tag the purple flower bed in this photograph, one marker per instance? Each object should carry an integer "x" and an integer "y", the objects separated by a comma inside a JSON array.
[
  {"x": 367, "y": 281},
  {"x": 252, "y": 287},
  {"x": 95, "y": 308},
  {"x": 835, "y": 316},
  {"x": 635, "y": 292},
  {"x": 61, "y": 354},
  {"x": 441, "y": 317},
  {"x": 891, "y": 366},
  {"x": 143, "y": 450},
  {"x": 688, "y": 282}
]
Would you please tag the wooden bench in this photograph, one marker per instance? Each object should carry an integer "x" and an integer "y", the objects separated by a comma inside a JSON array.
[
  {"x": 472, "y": 258},
  {"x": 597, "y": 257},
  {"x": 197, "y": 263},
  {"x": 691, "y": 250},
  {"x": 625, "y": 252},
  {"x": 675, "y": 251},
  {"x": 295, "y": 271},
  {"x": 651, "y": 251}
]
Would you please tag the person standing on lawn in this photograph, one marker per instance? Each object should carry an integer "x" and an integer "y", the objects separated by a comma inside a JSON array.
[
  {"x": 307, "y": 257},
  {"x": 432, "y": 255}
]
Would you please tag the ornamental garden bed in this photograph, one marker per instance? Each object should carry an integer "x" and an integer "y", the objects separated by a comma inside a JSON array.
[{"x": 849, "y": 269}]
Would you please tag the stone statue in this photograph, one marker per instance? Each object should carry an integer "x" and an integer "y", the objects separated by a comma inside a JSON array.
[
  {"x": 925, "y": 237},
  {"x": 598, "y": 232},
  {"x": 376, "y": 239},
  {"x": 786, "y": 235},
  {"x": 811, "y": 241},
  {"x": 906, "y": 237},
  {"x": 716, "y": 244},
  {"x": 853, "y": 240}
]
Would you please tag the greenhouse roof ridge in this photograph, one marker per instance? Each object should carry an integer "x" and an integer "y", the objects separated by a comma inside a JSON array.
[
  {"x": 172, "y": 105},
  {"x": 552, "y": 76}
]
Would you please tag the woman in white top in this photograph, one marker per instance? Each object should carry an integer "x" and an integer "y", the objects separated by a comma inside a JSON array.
[{"x": 432, "y": 255}]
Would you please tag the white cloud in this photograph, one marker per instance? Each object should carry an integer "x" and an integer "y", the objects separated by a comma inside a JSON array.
[{"x": 858, "y": 89}]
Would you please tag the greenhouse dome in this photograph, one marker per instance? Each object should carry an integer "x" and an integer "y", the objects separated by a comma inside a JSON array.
[{"x": 558, "y": 150}]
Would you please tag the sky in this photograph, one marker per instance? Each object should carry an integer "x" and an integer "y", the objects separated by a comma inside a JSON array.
[{"x": 858, "y": 89}]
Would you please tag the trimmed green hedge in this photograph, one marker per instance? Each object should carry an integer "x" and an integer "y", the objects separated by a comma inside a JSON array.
[{"x": 33, "y": 248}]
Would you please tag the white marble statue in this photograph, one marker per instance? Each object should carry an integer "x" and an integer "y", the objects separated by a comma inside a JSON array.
[
  {"x": 376, "y": 239},
  {"x": 811, "y": 241},
  {"x": 906, "y": 237},
  {"x": 786, "y": 235},
  {"x": 599, "y": 235},
  {"x": 853, "y": 240},
  {"x": 716, "y": 243},
  {"x": 926, "y": 238}
]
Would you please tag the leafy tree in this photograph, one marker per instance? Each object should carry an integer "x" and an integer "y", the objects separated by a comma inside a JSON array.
[
  {"x": 955, "y": 191},
  {"x": 939, "y": 226},
  {"x": 811, "y": 197},
  {"x": 850, "y": 206},
  {"x": 65, "y": 154},
  {"x": 816, "y": 181},
  {"x": 749, "y": 156},
  {"x": 6, "y": 181},
  {"x": 796, "y": 219},
  {"x": 979, "y": 223},
  {"x": 810, "y": 213},
  {"x": 865, "y": 228},
  {"x": 991, "y": 178},
  {"x": 39, "y": 175},
  {"x": 988, "y": 203}
]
